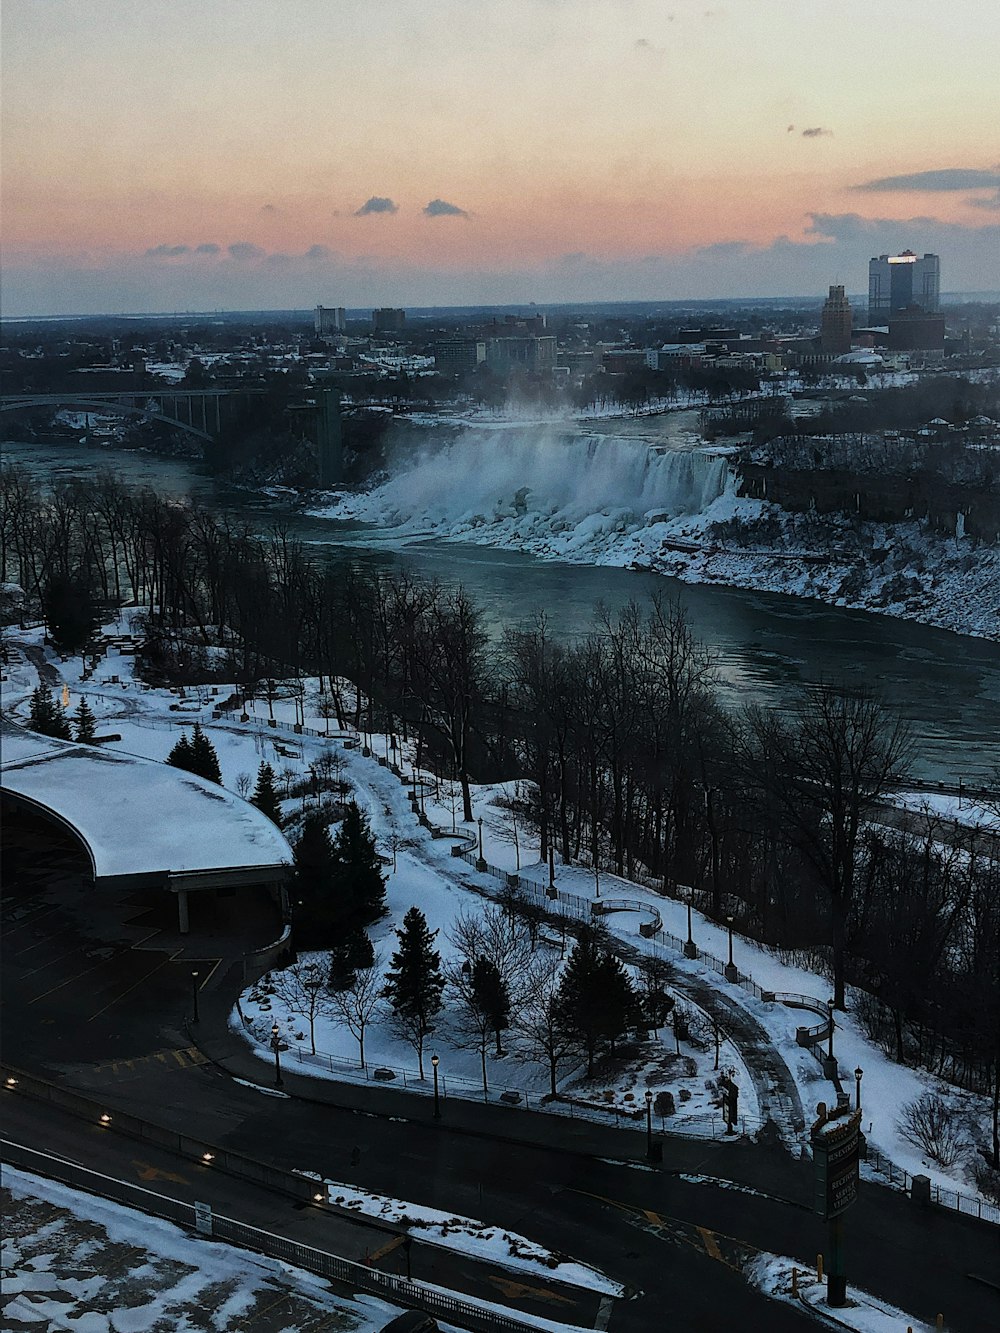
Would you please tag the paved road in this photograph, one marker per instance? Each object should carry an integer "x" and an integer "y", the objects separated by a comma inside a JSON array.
[{"x": 116, "y": 1027}]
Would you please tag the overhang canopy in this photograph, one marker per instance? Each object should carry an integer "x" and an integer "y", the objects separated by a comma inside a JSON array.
[{"x": 141, "y": 820}]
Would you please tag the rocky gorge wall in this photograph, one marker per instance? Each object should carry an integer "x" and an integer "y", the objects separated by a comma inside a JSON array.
[{"x": 948, "y": 507}]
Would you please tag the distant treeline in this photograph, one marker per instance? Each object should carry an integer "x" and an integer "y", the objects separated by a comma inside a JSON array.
[{"x": 626, "y": 758}]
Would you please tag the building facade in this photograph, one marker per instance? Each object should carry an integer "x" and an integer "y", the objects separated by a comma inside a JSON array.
[
  {"x": 896, "y": 282},
  {"x": 456, "y": 356},
  {"x": 504, "y": 356},
  {"x": 388, "y": 320},
  {"x": 329, "y": 319},
  {"x": 835, "y": 323}
]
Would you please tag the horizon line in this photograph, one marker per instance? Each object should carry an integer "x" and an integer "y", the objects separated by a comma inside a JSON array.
[{"x": 363, "y": 311}]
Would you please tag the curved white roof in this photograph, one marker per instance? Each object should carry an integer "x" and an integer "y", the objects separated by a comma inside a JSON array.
[{"x": 138, "y": 817}]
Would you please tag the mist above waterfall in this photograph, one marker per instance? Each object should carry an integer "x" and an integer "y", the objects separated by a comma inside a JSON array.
[{"x": 481, "y": 476}]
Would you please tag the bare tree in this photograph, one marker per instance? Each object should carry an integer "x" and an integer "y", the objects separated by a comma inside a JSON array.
[
  {"x": 541, "y": 1023},
  {"x": 500, "y": 937},
  {"x": 302, "y": 989},
  {"x": 359, "y": 1004},
  {"x": 827, "y": 771}
]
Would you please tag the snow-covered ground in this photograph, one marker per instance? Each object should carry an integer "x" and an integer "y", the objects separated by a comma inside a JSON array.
[
  {"x": 773, "y": 1274},
  {"x": 467, "y": 1236},
  {"x": 426, "y": 874},
  {"x": 73, "y": 1261}
]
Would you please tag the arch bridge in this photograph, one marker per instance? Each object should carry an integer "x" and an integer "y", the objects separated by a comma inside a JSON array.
[{"x": 198, "y": 412}]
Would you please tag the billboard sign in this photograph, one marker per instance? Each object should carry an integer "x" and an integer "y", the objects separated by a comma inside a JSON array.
[{"x": 835, "y": 1139}]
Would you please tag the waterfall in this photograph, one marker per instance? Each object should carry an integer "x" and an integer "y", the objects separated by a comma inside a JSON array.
[{"x": 544, "y": 475}]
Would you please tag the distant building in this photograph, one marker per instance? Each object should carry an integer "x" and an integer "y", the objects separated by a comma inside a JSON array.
[
  {"x": 456, "y": 356},
  {"x": 620, "y": 360},
  {"x": 913, "y": 330},
  {"x": 329, "y": 319},
  {"x": 898, "y": 281},
  {"x": 835, "y": 323},
  {"x": 388, "y": 320},
  {"x": 504, "y": 356},
  {"x": 714, "y": 334}
]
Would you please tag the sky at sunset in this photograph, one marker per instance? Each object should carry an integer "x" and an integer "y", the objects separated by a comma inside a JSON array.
[{"x": 200, "y": 154}]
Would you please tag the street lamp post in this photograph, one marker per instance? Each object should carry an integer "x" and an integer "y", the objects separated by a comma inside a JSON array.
[
  {"x": 731, "y": 972},
  {"x": 858, "y": 1076},
  {"x": 649, "y": 1124},
  {"x": 194, "y": 994},
  {"x": 437, "y": 1100},
  {"x": 276, "y": 1047},
  {"x": 690, "y": 949},
  {"x": 830, "y": 1063},
  {"x": 482, "y": 858}
]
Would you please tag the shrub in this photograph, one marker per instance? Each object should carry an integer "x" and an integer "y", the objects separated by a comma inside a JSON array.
[{"x": 930, "y": 1124}]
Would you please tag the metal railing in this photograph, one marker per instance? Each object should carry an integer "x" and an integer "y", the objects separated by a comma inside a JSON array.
[
  {"x": 941, "y": 1195},
  {"x": 347, "y": 1272}
]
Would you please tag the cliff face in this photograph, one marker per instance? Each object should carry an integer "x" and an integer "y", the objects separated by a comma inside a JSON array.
[{"x": 948, "y": 507}]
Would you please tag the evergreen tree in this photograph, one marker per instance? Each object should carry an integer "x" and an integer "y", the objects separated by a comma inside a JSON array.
[
  {"x": 86, "y": 727},
  {"x": 316, "y": 920},
  {"x": 349, "y": 955},
  {"x": 621, "y": 1005},
  {"x": 70, "y": 612},
  {"x": 360, "y": 880},
  {"x": 204, "y": 760},
  {"x": 46, "y": 716},
  {"x": 414, "y": 982},
  {"x": 265, "y": 795},
  {"x": 596, "y": 997},
  {"x": 180, "y": 755},
  {"x": 492, "y": 997}
]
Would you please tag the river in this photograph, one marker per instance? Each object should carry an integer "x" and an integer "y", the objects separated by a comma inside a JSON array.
[{"x": 945, "y": 685}]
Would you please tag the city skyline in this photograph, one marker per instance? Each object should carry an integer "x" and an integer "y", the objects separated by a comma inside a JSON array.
[{"x": 251, "y": 155}]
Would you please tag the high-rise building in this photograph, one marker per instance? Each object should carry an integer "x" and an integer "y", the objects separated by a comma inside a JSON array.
[
  {"x": 506, "y": 356},
  {"x": 835, "y": 323},
  {"x": 329, "y": 319},
  {"x": 388, "y": 320},
  {"x": 454, "y": 356},
  {"x": 896, "y": 282}
]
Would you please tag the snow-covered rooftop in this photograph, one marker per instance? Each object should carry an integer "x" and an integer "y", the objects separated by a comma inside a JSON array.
[{"x": 138, "y": 817}]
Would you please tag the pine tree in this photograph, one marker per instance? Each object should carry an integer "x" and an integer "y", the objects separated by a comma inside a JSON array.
[
  {"x": 414, "y": 982},
  {"x": 360, "y": 881},
  {"x": 492, "y": 997},
  {"x": 86, "y": 727},
  {"x": 349, "y": 956},
  {"x": 180, "y": 755},
  {"x": 596, "y": 996},
  {"x": 204, "y": 760},
  {"x": 621, "y": 1005},
  {"x": 46, "y": 716},
  {"x": 316, "y": 920},
  {"x": 265, "y": 795}
]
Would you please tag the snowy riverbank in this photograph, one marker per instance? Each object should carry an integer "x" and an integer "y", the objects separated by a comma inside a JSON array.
[{"x": 612, "y": 502}]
